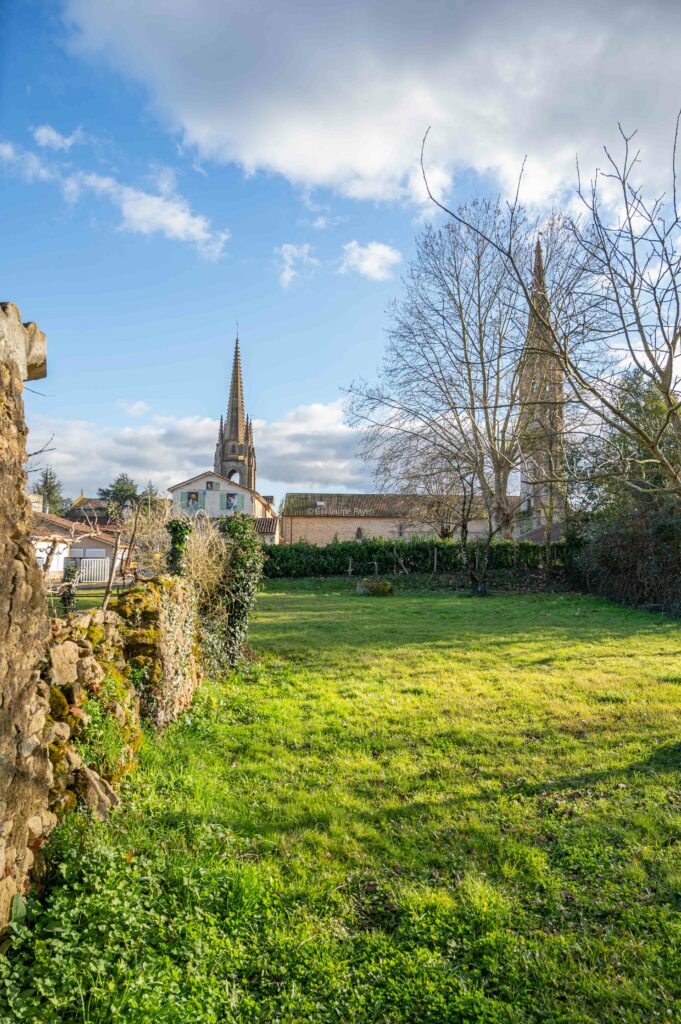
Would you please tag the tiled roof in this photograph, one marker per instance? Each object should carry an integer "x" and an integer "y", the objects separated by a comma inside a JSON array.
[
  {"x": 83, "y": 502},
  {"x": 538, "y": 535},
  {"x": 376, "y": 505},
  {"x": 266, "y": 525},
  {"x": 44, "y": 524}
]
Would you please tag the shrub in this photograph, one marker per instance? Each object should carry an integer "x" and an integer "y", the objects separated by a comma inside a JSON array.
[
  {"x": 243, "y": 570},
  {"x": 179, "y": 530},
  {"x": 634, "y": 558},
  {"x": 366, "y": 558},
  {"x": 111, "y": 735}
]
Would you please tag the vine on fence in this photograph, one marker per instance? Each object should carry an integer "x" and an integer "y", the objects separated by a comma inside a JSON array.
[
  {"x": 243, "y": 572},
  {"x": 179, "y": 530}
]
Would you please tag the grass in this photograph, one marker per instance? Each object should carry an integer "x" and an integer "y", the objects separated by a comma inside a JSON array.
[
  {"x": 422, "y": 809},
  {"x": 86, "y": 598}
]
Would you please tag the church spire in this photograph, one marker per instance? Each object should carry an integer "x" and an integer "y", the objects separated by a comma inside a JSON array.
[
  {"x": 538, "y": 334},
  {"x": 236, "y": 419},
  {"x": 234, "y": 453}
]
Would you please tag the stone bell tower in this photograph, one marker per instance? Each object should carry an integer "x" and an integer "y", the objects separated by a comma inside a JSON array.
[
  {"x": 234, "y": 452},
  {"x": 542, "y": 413}
]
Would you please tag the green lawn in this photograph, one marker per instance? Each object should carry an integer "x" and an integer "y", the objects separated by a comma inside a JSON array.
[
  {"x": 430, "y": 808},
  {"x": 86, "y": 597}
]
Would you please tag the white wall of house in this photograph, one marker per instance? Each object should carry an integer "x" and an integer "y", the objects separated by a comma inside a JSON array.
[
  {"x": 42, "y": 549},
  {"x": 217, "y": 497}
]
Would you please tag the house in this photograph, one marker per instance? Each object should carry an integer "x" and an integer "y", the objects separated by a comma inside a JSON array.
[
  {"x": 89, "y": 510},
  {"x": 216, "y": 496},
  {"x": 322, "y": 518},
  {"x": 67, "y": 543}
]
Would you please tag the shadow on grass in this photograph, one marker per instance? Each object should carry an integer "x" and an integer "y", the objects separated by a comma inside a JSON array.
[{"x": 348, "y": 626}]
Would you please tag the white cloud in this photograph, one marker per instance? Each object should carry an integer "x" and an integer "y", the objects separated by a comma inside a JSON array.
[
  {"x": 48, "y": 137},
  {"x": 340, "y": 96},
  {"x": 27, "y": 165},
  {"x": 293, "y": 260},
  {"x": 134, "y": 409},
  {"x": 309, "y": 448},
  {"x": 168, "y": 214},
  {"x": 374, "y": 260},
  {"x": 142, "y": 213},
  {"x": 165, "y": 180}
]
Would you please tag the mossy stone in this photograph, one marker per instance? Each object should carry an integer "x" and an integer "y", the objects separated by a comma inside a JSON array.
[{"x": 59, "y": 706}]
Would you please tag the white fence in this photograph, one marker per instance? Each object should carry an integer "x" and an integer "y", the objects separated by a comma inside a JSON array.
[{"x": 94, "y": 570}]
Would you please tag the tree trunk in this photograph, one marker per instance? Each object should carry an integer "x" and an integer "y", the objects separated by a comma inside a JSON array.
[{"x": 112, "y": 571}]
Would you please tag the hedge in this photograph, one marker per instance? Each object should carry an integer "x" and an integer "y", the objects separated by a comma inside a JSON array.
[
  {"x": 634, "y": 559},
  {"x": 362, "y": 558}
]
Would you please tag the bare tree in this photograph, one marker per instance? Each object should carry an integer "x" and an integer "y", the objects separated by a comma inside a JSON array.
[
  {"x": 616, "y": 305},
  {"x": 450, "y": 387},
  {"x": 441, "y": 490},
  {"x": 112, "y": 570}
]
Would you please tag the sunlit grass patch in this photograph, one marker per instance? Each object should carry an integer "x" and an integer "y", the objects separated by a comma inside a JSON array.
[{"x": 432, "y": 809}]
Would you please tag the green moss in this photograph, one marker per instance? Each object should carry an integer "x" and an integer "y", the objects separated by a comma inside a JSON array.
[
  {"x": 57, "y": 754},
  {"x": 95, "y": 634},
  {"x": 59, "y": 706},
  {"x": 142, "y": 638}
]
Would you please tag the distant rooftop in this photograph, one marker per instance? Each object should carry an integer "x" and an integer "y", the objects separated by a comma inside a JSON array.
[{"x": 375, "y": 505}]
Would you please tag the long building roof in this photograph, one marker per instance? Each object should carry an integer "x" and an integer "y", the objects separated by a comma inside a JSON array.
[{"x": 377, "y": 505}]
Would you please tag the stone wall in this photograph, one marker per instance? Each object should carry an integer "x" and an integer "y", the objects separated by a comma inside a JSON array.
[
  {"x": 93, "y": 728},
  {"x": 25, "y": 769},
  {"x": 161, "y": 646},
  {"x": 69, "y": 710},
  {"x": 322, "y": 530}
]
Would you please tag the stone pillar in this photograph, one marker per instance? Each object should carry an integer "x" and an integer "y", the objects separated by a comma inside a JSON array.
[{"x": 25, "y": 769}]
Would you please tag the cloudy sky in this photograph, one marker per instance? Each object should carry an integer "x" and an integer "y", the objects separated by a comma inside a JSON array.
[{"x": 169, "y": 168}]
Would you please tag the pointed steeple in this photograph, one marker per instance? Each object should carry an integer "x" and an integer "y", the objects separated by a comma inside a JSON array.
[
  {"x": 540, "y": 299},
  {"x": 234, "y": 452},
  {"x": 236, "y": 420}
]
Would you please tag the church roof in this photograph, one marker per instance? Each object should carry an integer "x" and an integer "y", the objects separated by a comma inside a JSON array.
[{"x": 235, "y": 424}]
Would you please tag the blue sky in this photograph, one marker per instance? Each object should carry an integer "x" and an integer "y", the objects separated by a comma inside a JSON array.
[{"x": 166, "y": 172}]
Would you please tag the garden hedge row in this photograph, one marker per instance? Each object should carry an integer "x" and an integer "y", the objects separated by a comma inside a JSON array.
[{"x": 362, "y": 558}]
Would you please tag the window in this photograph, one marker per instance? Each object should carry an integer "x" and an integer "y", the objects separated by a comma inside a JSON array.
[
  {"x": 359, "y": 533},
  {"x": 231, "y": 502},
  {"x": 212, "y": 485},
  {"x": 95, "y": 553},
  {"x": 192, "y": 501}
]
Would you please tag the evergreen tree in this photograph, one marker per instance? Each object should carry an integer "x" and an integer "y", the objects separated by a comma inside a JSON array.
[
  {"x": 49, "y": 486},
  {"x": 149, "y": 497},
  {"x": 120, "y": 491}
]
